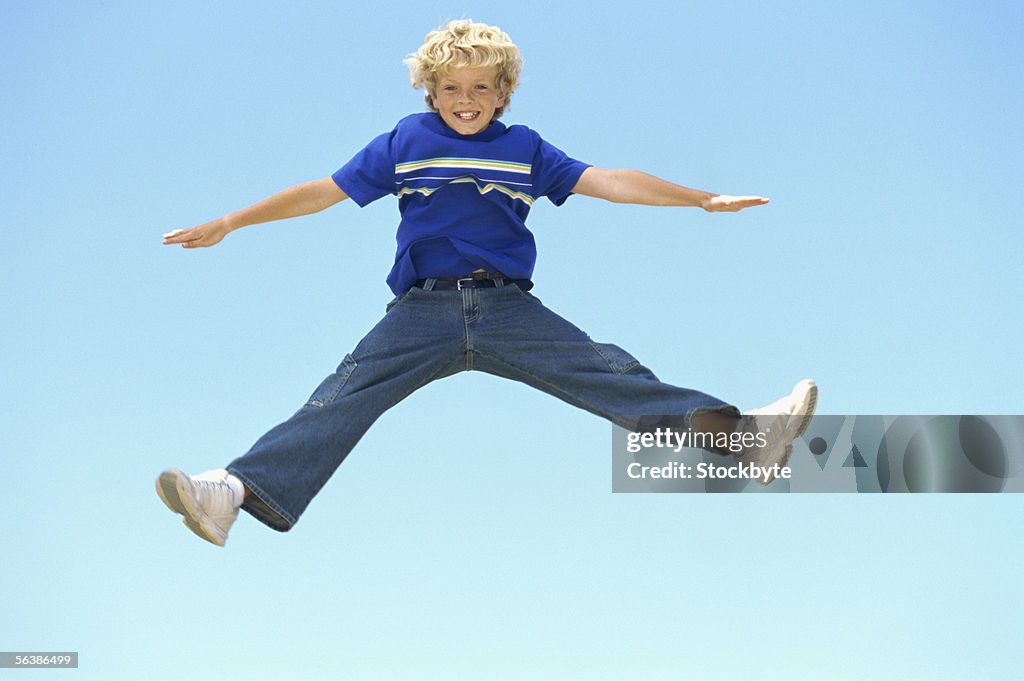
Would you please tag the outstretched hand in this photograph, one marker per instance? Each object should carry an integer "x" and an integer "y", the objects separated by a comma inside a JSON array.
[
  {"x": 200, "y": 236},
  {"x": 723, "y": 203}
]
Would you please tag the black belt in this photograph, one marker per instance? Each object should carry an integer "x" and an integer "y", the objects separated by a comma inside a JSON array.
[{"x": 475, "y": 280}]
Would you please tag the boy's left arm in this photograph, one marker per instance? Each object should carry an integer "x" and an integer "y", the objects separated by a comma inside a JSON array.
[{"x": 634, "y": 186}]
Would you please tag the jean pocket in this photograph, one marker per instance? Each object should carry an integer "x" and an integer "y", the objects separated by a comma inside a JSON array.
[
  {"x": 332, "y": 386},
  {"x": 618, "y": 360},
  {"x": 399, "y": 299},
  {"x": 523, "y": 294}
]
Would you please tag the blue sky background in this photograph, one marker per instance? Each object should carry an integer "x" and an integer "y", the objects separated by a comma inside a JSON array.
[{"x": 472, "y": 533}]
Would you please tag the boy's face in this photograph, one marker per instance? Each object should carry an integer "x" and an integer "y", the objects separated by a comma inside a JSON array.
[{"x": 467, "y": 99}]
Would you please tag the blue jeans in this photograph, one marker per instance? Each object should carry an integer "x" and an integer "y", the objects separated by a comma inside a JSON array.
[{"x": 426, "y": 335}]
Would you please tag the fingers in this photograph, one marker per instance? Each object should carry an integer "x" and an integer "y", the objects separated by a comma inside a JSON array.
[
  {"x": 732, "y": 204},
  {"x": 180, "y": 236},
  {"x": 189, "y": 238},
  {"x": 741, "y": 202}
]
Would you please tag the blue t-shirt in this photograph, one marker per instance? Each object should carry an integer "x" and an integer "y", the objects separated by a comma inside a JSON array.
[{"x": 463, "y": 198}]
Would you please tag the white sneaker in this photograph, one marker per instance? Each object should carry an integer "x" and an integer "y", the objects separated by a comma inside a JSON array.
[
  {"x": 780, "y": 423},
  {"x": 207, "y": 501}
]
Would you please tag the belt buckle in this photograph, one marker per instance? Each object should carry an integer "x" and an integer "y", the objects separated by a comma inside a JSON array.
[{"x": 458, "y": 283}]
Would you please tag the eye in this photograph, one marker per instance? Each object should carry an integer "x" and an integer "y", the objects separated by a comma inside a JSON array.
[{"x": 449, "y": 88}]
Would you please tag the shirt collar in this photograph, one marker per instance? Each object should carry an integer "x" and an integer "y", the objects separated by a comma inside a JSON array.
[{"x": 437, "y": 124}]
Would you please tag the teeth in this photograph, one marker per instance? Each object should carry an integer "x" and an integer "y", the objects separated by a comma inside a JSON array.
[{"x": 466, "y": 116}]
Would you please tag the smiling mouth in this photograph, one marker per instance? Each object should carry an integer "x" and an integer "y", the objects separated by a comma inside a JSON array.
[{"x": 467, "y": 115}]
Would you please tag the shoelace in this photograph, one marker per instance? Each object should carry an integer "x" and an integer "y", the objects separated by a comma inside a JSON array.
[{"x": 207, "y": 490}]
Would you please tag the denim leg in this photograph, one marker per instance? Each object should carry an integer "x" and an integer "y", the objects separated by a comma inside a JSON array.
[
  {"x": 428, "y": 335},
  {"x": 416, "y": 342},
  {"x": 517, "y": 337}
]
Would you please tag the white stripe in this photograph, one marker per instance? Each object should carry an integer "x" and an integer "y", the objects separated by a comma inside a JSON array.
[
  {"x": 451, "y": 179},
  {"x": 427, "y": 191}
]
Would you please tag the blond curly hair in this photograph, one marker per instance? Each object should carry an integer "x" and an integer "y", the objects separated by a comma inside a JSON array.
[{"x": 464, "y": 43}]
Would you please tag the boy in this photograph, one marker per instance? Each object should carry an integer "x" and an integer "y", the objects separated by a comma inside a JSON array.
[{"x": 461, "y": 279}]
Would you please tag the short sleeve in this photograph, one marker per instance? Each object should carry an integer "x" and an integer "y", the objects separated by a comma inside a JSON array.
[
  {"x": 554, "y": 173},
  {"x": 370, "y": 174}
]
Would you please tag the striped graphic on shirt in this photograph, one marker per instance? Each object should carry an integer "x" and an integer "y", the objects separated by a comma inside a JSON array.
[
  {"x": 468, "y": 163},
  {"x": 482, "y": 188},
  {"x": 462, "y": 170}
]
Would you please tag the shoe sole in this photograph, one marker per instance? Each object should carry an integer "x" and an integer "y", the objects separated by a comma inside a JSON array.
[
  {"x": 806, "y": 412},
  {"x": 807, "y": 409},
  {"x": 174, "y": 490}
]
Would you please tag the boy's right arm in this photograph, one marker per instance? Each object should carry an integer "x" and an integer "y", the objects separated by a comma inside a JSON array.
[{"x": 302, "y": 199}]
